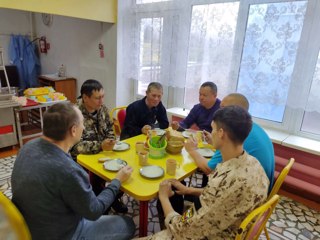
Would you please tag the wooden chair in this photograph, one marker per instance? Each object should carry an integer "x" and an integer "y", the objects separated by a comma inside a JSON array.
[
  {"x": 12, "y": 223},
  {"x": 252, "y": 226},
  {"x": 118, "y": 116}
]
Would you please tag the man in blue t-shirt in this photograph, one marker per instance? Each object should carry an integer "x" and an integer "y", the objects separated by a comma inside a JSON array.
[{"x": 257, "y": 144}]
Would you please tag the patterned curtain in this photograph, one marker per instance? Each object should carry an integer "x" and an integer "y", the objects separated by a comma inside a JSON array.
[{"x": 269, "y": 55}]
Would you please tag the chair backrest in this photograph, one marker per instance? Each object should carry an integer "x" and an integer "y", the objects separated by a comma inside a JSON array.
[
  {"x": 12, "y": 223},
  {"x": 281, "y": 177},
  {"x": 118, "y": 116},
  {"x": 121, "y": 115},
  {"x": 252, "y": 226}
]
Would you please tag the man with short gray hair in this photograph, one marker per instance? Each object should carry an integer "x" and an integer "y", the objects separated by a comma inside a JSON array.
[{"x": 53, "y": 192}]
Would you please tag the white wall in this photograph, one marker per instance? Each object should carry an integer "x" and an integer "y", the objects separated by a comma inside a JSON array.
[
  {"x": 74, "y": 43},
  {"x": 12, "y": 21}
]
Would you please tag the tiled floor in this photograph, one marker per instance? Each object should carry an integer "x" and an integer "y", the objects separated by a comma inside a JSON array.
[{"x": 291, "y": 220}]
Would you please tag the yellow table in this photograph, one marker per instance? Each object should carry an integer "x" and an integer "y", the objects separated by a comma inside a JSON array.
[{"x": 138, "y": 187}]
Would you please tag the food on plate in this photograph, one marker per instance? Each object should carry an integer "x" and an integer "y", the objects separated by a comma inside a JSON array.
[
  {"x": 115, "y": 164},
  {"x": 152, "y": 171}
]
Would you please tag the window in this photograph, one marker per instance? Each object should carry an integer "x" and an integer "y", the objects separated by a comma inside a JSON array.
[
  {"x": 210, "y": 50},
  {"x": 149, "y": 1},
  {"x": 311, "y": 118},
  {"x": 269, "y": 53},
  {"x": 267, "y": 50},
  {"x": 150, "y": 54}
]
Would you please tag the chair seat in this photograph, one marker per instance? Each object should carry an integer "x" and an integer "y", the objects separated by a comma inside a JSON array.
[{"x": 12, "y": 223}]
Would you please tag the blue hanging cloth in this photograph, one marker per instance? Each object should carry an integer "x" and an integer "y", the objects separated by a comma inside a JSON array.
[{"x": 22, "y": 53}]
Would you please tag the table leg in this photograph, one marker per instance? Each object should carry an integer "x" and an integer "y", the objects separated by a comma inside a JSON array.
[
  {"x": 143, "y": 220},
  {"x": 18, "y": 125}
]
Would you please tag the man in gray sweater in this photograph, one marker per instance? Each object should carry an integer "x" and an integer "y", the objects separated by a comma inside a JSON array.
[{"x": 53, "y": 192}]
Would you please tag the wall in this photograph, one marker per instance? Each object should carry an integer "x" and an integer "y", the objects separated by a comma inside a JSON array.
[
  {"x": 99, "y": 10},
  {"x": 74, "y": 43},
  {"x": 12, "y": 21}
]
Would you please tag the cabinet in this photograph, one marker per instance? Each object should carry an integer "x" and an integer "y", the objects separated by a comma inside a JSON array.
[
  {"x": 8, "y": 135},
  {"x": 67, "y": 85}
]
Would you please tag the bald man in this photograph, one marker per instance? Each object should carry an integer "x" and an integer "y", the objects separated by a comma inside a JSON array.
[{"x": 257, "y": 144}]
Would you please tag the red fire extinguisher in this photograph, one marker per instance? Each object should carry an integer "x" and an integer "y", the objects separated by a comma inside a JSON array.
[{"x": 43, "y": 45}]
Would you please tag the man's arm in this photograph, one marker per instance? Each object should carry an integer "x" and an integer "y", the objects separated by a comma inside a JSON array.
[
  {"x": 183, "y": 190},
  {"x": 78, "y": 195},
  {"x": 200, "y": 161},
  {"x": 84, "y": 147},
  {"x": 189, "y": 120},
  {"x": 165, "y": 192}
]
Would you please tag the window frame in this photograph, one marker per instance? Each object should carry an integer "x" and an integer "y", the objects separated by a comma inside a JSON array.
[{"x": 304, "y": 67}]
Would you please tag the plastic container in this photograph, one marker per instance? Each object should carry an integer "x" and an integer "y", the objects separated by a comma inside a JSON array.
[
  {"x": 157, "y": 150},
  {"x": 62, "y": 71}
]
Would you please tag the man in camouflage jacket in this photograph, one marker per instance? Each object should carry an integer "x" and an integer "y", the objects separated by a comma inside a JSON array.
[
  {"x": 98, "y": 133},
  {"x": 237, "y": 186}
]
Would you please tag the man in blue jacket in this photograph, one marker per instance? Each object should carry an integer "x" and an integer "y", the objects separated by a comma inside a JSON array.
[{"x": 145, "y": 114}]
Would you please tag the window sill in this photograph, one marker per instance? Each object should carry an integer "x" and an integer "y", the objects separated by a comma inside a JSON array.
[{"x": 278, "y": 137}]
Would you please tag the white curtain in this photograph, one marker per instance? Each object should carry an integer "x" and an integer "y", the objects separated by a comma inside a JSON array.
[{"x": 183, "y": 43}]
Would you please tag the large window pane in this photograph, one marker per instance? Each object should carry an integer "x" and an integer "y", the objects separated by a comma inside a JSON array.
[
  {"x": 150, "y": 1},
  {"x": 269, "y": 53},
  {"x": 311, "y": 117},
  {"x": 210, "y": 47},
  {"x": 150, "y": 52}
]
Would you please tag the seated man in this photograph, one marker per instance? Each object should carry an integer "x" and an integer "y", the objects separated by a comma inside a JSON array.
[
  {"x": 98, "y": 133},
  {"x": 201, "y": 113},
  {"x": 238, "y": 185},
  {"x": 53, "y": 192},
  {"x": 257, "y": 144},
  {"x": 145, "y": 114}
]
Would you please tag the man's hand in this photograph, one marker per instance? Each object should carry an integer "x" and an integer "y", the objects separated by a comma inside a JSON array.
[
  {"x": 145, "y": 129},
  {"x": 108, "y": 144},
  {"x": 124, "y": 174},
  {"x": 208, "y": 137},
  {"x": 165, "y": 190},
  {"x": 191, "y": 144},
  {"x": 175, "y": 125},
  {"x": 180, "y": 188}
]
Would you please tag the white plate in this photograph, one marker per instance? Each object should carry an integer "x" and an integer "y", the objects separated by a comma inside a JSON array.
[
  {"x": 160, "y": 131},
  {"x": 121, "y": 146},
  {"x": 114, "y": 164},
  {"x": 205, "y": 152},
  {"x": 187, "y": 134},
  {"x": 152, "y": 171}
]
